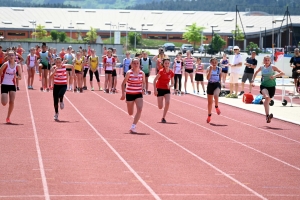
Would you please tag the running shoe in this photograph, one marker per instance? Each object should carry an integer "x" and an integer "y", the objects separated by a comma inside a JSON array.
[
  {"x": 218, "y": 111},
  {"x": 228, "y": 95},
  {"x": 18, "y": 88},
  {"x": 204, "y": 93},
  {"x": 163, "y": 120},
  {"x": 61, "y": 105},
  {"x": 85, "y": 88},
  {"x": 234, "y": 96},
  {"x": 56, "y": 116},
  {"x": 8, "y": 121},
  {"x": 269, "y": 117},
  {"x": 41, "y": 89},
  {"x": 92, "y": 89},
  {"x": 132, "y": 130},
  {"x": 47, "y": 89},
  {"x": 81, "y": 90},
  {"x": 100, "y": 89},
  {"x": 241, "y": 93},
  {"x": 208, "y": 119}
]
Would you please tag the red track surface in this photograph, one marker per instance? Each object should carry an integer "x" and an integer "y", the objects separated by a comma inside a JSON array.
[{"x": 90, "y": 155}]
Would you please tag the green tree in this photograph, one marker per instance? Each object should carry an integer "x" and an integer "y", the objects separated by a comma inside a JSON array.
[
  {"x": 131, "y": 38},
  {"x": 91, "y": 36},
  {"x": 193, "y": 34},
  {"x": 253, "y": 47},
  {"x": 54, "y": 35},
  {"x": 217, "y": 43},
  {"x": 62, "y": 36},
  {"x": 238, "y": 35},
  {"x": 40, "y": 32}
]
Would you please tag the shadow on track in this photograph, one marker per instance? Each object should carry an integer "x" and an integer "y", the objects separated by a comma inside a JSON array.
[
  {"x": 272, "y": 128},
  {"x": 212, "y": 124},
  {"x": 13, "y": 124}
]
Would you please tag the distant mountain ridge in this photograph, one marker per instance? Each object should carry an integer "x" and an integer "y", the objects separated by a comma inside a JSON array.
[{"x": 276, "y": 7}]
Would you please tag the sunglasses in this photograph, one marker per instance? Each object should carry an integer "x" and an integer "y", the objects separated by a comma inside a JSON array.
[{"x": 11, "y": 54}]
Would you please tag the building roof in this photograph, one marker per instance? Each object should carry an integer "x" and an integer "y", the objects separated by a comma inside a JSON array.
[{"x": 148, "y": 21}]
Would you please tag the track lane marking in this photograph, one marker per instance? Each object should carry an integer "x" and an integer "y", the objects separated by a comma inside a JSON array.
[
  {"x": 37, "y": 145},
  {"x": 151, "y": 191},
  {"x": 190, "y": 152}
]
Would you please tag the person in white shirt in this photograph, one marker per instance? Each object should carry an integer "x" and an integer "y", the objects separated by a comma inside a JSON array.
[{"x": 235, "y": 66}]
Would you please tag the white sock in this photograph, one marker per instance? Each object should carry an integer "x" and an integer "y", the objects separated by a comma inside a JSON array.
[{"x": 133, "y": 126}]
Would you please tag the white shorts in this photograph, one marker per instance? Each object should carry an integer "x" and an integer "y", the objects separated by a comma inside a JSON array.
[{"x": 234, "y": 78}]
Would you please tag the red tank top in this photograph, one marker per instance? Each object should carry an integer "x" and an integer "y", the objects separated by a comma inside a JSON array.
[{"x": 60, "y": 77}]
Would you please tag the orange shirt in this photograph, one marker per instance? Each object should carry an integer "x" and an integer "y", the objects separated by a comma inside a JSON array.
[
  {"x": 2, "y": 57},
  {"x": 164, "y": 79}
]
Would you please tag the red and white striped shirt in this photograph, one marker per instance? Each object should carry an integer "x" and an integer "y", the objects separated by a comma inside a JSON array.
[
  {"x": 199, "y": 67},
  {"x": 60, "y": 77},
  {"x": 134, "y": 83},
  {"x": 189, "y": 63}
]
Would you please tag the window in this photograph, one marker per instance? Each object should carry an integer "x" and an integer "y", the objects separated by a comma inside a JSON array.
[
  {"x": 175, "y": 37},
  {"x": 157, "y": 37},
  {"x": 1, "y": 33},
  {"x": 16, "y": 34}
]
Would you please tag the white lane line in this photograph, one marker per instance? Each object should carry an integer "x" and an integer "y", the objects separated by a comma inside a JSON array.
[
  {"x": 235, "y": 141},
  {"x": 38, "y": 149},
  {"x": 116, "y": 153},
  {"x": 193, "y": 154},
  {"x": 240, "y": 122}
]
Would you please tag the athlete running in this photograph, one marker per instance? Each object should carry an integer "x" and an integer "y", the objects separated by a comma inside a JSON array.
[
  {"x": 135, "y": 83},
  {"x": 8, "y": 73},
  {"x": 268, "y": 83},
  {"x": 213, "y": 87},
  {"x": 59, "y": 74},
  {"x": 31, "y": 62},
  {"x": 162, "y": 87}
]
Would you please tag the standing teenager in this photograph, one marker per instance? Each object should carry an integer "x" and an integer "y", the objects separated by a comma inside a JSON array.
[
  {"x": 268, "y": 83},
  {"x": 213, "y": 75},
  {"x": 177, "y": 69},
  {"x": 135, "y": 82},
  {"x": 162, "y": 87},
  {"x": 59, "y": 75},
  {"x": 8, "y": 73},
  {"x": 93, "y": 63},
  {"x": 199, "y": 75},
  {"x": 189, "y": 69},
  {"x": 146, "y": 66},
  {"x": 31, "y": 62}
]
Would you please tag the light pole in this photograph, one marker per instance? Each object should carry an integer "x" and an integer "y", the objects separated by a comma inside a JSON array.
[
  {"x": 142, "y": 34},
  {"x": 71, "y": 31},
  {"x": 212, "y": 36},
  {"x": 123, "y": 24}
]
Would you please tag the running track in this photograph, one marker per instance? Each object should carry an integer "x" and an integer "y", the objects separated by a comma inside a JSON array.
[{"x": 90, "y": 155}]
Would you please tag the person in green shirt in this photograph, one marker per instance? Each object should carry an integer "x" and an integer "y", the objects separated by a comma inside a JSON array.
[
  {"x": 145, "y": 63},
  {"x": 268, "y": 83}
]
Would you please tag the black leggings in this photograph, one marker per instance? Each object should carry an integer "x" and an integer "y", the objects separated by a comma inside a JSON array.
[
  {"x": 177, "y": 76},
  {"x": 85, "y": 72},
  {"x": 58, "y": 95},
  {"x": 96, "y": 75}
]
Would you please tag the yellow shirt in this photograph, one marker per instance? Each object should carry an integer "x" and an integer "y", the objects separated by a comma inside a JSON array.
[
  {"x": 78, "y": 64},
  {"x": 94, "y": 62}
]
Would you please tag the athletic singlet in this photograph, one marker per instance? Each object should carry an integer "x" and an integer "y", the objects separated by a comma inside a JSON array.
[
  {"x": 109, "y": 60},
  {"x": 199, "y": 67},
  {"x": 86, "y": 61},
  {"x": 94, "y": 62},
  {"x": 126, "y": 63},
  {"x": 77, "y": 64},
  {"x": 20, "y": 51},
  {"x": 189, "y": 63},
  {"x": 31, "y": 60},
  {"x": 215, "y": 75},
  {"x": 145, "y": 65},
  {"x": 224, "y": 62},
  {"x": 62, "y": 55},
  {"x": 2, "y": 57},
  {"x": 134, "y": 83},
  {"x": 44, "y": 56},
  {"x": 69, "y": 58},
  {"x": 8, "y": 75},
  {"x": 60, "y": 77},
  {"x": 178, "y": 67},
  {"x": 266, "y": 73}
]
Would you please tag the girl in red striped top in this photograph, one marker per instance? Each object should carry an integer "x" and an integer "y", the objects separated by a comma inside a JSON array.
[
  {"x": 199, "y": 75},
  {"x": 59, "y": 74},
  {"x": 135, "y": 83},
  {"x": 189, "y": 69},
  {"x": 162, "y": 87}
]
